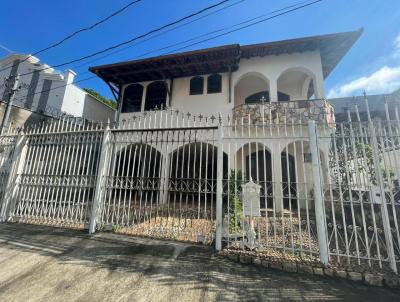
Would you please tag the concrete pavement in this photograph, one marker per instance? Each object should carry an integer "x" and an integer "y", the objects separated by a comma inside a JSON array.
[{"x": 39, "y": 263}]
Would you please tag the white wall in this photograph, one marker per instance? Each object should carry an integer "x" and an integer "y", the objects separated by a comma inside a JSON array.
[
  {"x": 268, "y": 67},
  {"x": 67, "y": 98}
]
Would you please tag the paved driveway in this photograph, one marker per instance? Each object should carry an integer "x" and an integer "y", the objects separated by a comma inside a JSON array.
[{"x": 46, "y": 264}]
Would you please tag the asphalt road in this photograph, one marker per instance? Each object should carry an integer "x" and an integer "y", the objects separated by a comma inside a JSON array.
[{"x": 40, "y": 263}]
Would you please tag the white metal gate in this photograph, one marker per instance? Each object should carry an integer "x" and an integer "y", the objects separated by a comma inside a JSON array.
[
  {"x": 161, "y": 183},
  {"x": 56, "y": 175}
]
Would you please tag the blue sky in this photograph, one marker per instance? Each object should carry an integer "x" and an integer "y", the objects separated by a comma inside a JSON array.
[{"x": 372, "y": 64}]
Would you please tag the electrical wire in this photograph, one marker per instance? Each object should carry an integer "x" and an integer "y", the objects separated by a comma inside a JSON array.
[
  {"x": 70, "y": 36},
  {"x": 214, "y": 37}
]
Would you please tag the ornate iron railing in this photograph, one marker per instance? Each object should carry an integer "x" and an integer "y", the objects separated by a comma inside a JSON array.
[{"x": 300, "y": 111}]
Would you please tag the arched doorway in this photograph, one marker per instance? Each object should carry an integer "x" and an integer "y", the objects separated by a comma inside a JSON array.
[
  {"x": 254, "y": 160},
  {"x": 156, "y": 96},
  {"x": 193, "y": 177},
  {"x": 132, "y": 98},
  {"x": 251, "y": 88},
  {"x": 137, "y": 171},
  {"x": 296, "y": 84}
]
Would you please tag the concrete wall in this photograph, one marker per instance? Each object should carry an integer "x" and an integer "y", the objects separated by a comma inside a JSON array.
[
  {"x": 94, "y": 110},
  {"x": 21, "y": 117},
  {"x": 48, "y": 91}
]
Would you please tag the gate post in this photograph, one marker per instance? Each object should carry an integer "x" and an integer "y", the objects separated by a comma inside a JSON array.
[
  {"x": 380, "y": 183},
  {"x": 318, "y": 196},
  {"x": 12, "y": 184},
  {"x": 218, "y": 212},
  {"x": 102, "y": 171}
]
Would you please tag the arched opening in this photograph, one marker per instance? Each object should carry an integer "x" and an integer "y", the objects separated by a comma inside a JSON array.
[
  {"x": 193, "y": 176},
  {"x": 297, "y": 176},
  {"x": 196, "y": 85},
  {"x": 132, "y": 98},
  {"x": 251, "y": 88},
  {"x": 296, "y": 84},
  {"x": 156, "y": 96},
  {"x": 214, "y": 83},
  {"x": 289, "y": 183},
  {"x": 254, "y": 161},
  {"x": 137, "y": 173}
]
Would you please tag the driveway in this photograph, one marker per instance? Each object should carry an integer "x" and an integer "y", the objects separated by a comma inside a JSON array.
[{"x": 39, "y": 263}]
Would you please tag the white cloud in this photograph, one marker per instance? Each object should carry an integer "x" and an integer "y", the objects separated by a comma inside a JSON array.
[{"x": 384, "y": 80}]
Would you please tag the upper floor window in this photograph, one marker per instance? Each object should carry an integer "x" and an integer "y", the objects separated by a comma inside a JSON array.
[
  {"x": 196, "y": 85},
  {"x": 214, "y": 83},
  {"x": 156, "y": 96},
  {"x": 132, "y": 98}
]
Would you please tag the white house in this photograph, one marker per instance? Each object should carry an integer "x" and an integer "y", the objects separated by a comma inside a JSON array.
[
  {"x": 254, "y": 86},
  {"x": 45, "y": 91}
]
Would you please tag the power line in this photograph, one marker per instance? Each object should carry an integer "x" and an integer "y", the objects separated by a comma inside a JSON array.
[
  {"x": 194, "y": 38},
  {"x": 208, "y": 33},
  {"x": 214, "y": 37},
  {"x": 158, "y": 35},
  {"x": 70, "y": 36},
  {"x": 136, "y": 37}
]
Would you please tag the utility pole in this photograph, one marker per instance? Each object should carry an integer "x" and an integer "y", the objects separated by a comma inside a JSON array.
[{"x": 12, "y": 86}]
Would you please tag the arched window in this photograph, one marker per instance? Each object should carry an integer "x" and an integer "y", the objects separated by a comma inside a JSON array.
[
  {"x": 214, "y": 83},
  {"x": 196, "y": 85},
  {"x": 156, "y": 95},
  {"x": 132, "y": 98}
]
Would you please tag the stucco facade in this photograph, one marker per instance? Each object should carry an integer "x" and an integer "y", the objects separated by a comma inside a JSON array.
[{"x": 290, "y": 74}]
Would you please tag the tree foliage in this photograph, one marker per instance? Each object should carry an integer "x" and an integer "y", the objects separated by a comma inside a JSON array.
[{"x": 101, "y": 98}]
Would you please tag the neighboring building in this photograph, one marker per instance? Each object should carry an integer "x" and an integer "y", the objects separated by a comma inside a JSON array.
[
  {"x": 277, "y": 83},
  {"x": 376, "y": 104},
  {"x": 48, "y": 92}
]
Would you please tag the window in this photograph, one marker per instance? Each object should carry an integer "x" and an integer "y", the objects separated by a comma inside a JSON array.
[
  {"x": 156, "y": 96},
  {"x": 196, "y": 85},
  {"x": 132, "y": 98},
  {"x": 214, "y": 83}
]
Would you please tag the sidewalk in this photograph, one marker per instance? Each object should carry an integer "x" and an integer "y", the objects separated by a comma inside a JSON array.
[{"x": 47, "y": 264}]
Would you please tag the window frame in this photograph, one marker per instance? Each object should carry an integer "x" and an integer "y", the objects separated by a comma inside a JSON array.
[
  {"x": 194, "y": 91},
  {"x": 211, "y": 77}
]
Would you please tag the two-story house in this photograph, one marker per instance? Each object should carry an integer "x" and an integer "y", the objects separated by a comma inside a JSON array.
[{"x": 263, "y": 86}]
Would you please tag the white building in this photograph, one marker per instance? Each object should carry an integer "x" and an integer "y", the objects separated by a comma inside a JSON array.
[
  {"x": 264, "y": 87},
  {"x": 46, "y": 91}
]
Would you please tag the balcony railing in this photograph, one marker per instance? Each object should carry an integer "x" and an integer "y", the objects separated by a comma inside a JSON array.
[{"x": 300, "y": 111}]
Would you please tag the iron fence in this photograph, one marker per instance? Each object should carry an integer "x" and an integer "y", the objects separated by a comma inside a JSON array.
[{"x": 324, "y": 189}]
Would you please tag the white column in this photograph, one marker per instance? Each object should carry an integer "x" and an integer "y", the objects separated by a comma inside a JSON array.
[
  {"x": 318, "y": 82},
  {"x": 11, "y": 189},
  {"x": 105, "y": 156},
  {"x": 144, "y": 96},
  {"x": 273, "y": 90}
]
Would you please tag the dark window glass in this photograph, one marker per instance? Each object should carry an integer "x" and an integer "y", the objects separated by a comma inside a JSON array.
[
  {"x": 132, "y": 98},
  {"x": 196, "y": 85},
  {"x": 283, "y": 97},
  {"x": 214, "y": 83},
  {"x": 156, "y": 96},
  {"x": 257, "y": 97}
]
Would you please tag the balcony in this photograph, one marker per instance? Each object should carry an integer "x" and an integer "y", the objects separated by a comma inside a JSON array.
[{"x": 298, "y": 112}]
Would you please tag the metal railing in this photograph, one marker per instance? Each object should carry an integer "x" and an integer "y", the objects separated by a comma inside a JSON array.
[{"x": 313, "y": 188}]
